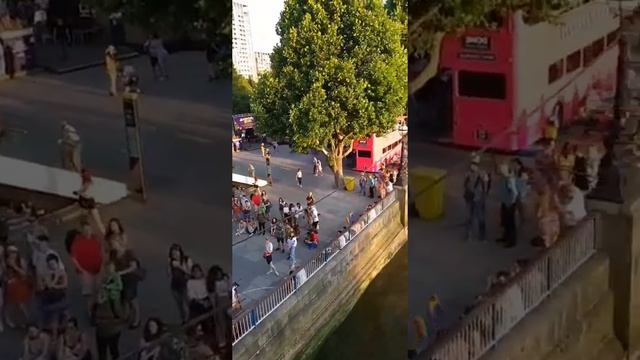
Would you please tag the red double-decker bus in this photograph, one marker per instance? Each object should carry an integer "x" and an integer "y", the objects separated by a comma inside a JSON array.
[
  {"x": 508, "y": 82},
  {"x": 373, "y": 151}
]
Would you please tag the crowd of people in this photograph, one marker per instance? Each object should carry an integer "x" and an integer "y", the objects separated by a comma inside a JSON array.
[
  {"x": 553, "y": 189},
  {"x": 34, "y": 276},
  {"x": 557, "y": 184},
  {"x": 253, "y": 214}
]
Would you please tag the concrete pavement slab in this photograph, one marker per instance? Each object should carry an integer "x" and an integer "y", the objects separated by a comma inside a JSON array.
[{"x": 249, "y": 268}]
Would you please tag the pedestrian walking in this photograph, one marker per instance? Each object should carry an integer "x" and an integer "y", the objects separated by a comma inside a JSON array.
[
  {"x": 158, "y": 54},
  {"x": 279, "y": 233},
  {"x": 320, "y": 173},
  {"x": 112, "y": 66},
  {"x": 252, "y": 171},
  {"x": 476, "y": 189},
  {"x": 292, "y": 242},
  {"x": 263, "y": 150},
  {"x": 268, "y": 256},
  {"x": 179, "y": 273},
  {"x": 315, "y": 166},
  {"x": 508, "y": 194},
  {"x": 299, "y": 177},
  {"x": 70, "y": 148}
]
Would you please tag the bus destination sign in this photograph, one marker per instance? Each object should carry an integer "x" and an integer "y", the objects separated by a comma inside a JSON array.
[
  {"x": 476, "y": 56},
  {"x": 476, "y": 43}
]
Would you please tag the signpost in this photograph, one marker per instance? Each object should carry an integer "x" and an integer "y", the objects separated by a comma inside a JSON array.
[{"x": 134, "y": 145}]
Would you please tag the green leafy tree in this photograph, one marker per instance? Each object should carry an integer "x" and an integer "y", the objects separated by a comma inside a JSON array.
[
  {"x": 430, "y": 20},
  {"x": 241, "y": 92},
  {"x": 339, "y": 74}
]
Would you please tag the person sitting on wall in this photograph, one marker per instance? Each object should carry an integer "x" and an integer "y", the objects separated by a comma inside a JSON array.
[{"x": 312, "y": 239}]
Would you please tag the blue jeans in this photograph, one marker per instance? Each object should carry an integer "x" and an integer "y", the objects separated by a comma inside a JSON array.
[
  {"x": 292, "y": 254},
  {"x": 476, "y": 214}
]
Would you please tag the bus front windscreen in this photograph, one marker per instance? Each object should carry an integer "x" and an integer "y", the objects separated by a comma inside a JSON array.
[{"x": 482, "y": 85}]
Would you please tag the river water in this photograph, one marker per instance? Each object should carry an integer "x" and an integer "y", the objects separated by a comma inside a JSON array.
[{"x": 376, "y": 328}]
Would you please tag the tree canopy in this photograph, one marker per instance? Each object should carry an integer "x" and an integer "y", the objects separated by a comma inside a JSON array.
[
  {"x": 241, "y": 92},
  {"x": 430, "y": 20},
  {"x": 205, "y": 18},
  {"x": 338, "y": 74}
]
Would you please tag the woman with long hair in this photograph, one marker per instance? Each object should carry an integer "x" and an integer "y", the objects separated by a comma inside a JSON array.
[
  {"x": 153, "y": 330},
  {"x": 199, "y": 301},
  {"x": 114, "y": 233},
  {"x": 219, "y": 287},
  {"x": 179, "y": 273}
]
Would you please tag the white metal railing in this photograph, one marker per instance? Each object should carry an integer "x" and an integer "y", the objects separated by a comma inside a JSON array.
[
  {"x": 498, "y": 313},
  {"x": 250, "y": 317}
]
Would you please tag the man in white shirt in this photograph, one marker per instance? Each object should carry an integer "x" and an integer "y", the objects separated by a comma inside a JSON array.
[
  {"x": 299, "y": 177},
  {"x": 573, "y": 205},
  {"x": 315, "y": 218},
  {"x": 268, "y": 256},
  {"x": 292, "y": 242}
]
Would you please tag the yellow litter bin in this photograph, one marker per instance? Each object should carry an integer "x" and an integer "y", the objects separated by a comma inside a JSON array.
[
  {"x": 349, "y": 183},
  {"x": 427, "y": 190}
]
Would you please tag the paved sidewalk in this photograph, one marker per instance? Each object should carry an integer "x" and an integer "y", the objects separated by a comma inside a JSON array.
[
  {"x": 441, "y": 260},
  {"x": 249, "y": 268}
]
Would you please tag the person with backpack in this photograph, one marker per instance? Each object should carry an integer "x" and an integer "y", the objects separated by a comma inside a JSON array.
[{"x": 477, "y": 184}]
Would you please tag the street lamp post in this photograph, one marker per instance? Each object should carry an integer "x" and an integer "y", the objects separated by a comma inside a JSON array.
[{"x": 403, "y": 174}]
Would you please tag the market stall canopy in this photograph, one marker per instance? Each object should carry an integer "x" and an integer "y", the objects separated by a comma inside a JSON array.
[{"x": 242, "y": 180}]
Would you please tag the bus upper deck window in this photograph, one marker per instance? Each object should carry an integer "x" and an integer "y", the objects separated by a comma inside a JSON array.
[
  {"x": 482, "y": 85},
  {"x": 364, "y": 154}
]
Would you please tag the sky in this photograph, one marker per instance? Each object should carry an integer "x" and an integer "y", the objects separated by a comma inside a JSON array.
[{"x": 264, "y": 14}]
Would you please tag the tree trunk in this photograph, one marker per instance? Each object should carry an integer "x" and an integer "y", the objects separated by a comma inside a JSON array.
[
  {"x": 431, "y": 69},
  {"x": 338, "y": 172}
]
